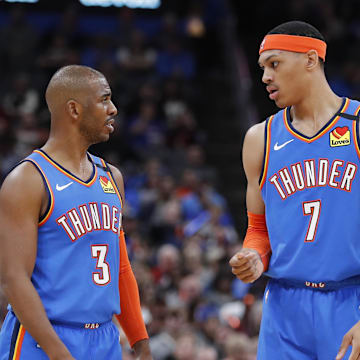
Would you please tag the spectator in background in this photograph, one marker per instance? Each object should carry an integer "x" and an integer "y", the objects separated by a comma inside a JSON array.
[
  {"x": 18, "y": 42},
  {"x": 206, "y": 353},
  {"x": 21, "y": 98},
  {"x": 136, "y": 58},
  {"x": 239, "y": 347},
  {"x": 145, "y": 129},
  {"x": 186, "y": 346},
  {"x": 167, "y": 272},
  {"x": 126, "y": 19},
  {"x": 98, "y": 51},
  {"x": 174, "y": 60},
  {"x": 164, "y": 212},
  {"x": 57, "y": 54},
  {"x": 182, "y": 129}
]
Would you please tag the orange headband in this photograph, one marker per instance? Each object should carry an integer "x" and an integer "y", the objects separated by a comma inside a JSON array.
[{"x": 294, "y": 43}]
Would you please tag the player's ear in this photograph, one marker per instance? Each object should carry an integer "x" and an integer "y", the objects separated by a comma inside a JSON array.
[
  {"x": 312, "y": 59},
  {"x": 73, "y": 108}
]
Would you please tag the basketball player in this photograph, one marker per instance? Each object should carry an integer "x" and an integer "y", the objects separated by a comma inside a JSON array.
[
  {"x": 63, "y": 261},
  {"x": 303, "y": 201}
]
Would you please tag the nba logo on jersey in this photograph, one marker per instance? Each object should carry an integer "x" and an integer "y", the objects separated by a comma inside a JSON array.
[
  {"x": 340, "y": 136},
  {"x": 106, "y": 185}
]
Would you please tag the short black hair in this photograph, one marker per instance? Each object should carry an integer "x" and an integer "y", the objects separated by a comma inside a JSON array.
[{"x": 299, "y": 28}]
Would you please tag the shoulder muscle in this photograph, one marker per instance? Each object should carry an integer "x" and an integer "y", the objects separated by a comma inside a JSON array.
[
  {"x": 118, "y": 179},
  {"x": 253, "y": 150}
]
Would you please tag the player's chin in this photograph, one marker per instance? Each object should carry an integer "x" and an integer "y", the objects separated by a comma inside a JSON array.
[
  {"x": 100, "y": 139},
  {"x": 281, "y": 103},
  {"x": 104, "y": 137}
]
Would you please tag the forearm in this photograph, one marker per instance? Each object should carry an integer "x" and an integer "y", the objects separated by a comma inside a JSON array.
[
  {"x": 130, "y": 318},
  {"x": 30, "y": 311}
]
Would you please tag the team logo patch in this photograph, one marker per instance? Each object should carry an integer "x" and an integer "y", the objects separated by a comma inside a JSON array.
[
  {"x": 340, "y": 136},
  {"x": 106, "y": 185}
]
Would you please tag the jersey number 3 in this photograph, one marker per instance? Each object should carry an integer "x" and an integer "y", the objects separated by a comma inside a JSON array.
[
  {"x": 102, "y": 275},
  {"x": 313, "y": 209}
]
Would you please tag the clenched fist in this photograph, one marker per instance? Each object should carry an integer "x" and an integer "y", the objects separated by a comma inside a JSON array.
[{"x": 247, "y": 265}]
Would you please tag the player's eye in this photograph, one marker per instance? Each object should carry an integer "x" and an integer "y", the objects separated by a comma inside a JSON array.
[{"x": 274, "y": 64}]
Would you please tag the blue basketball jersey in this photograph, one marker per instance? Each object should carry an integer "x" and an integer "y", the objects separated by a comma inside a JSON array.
[
  {"x": 77, "y": 266},
  {"x": 311, "y": 190}
]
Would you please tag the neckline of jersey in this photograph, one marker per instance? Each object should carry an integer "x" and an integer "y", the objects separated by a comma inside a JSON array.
[
  {"x": 68, "y": 173},
  {"x": 322, "y": 131}
]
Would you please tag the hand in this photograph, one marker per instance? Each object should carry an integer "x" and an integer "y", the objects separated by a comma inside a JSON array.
[
  {"x": 142, "y": 350},
  {"x": 59, "y": 353},
  {"x": 144, "y": 357},
  {"x": 247, "y": 265},
  {"x": 352, "y": 337}
]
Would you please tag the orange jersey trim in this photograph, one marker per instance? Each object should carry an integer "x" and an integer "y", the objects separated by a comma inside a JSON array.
[
  {"x": 51, "y": 207},
  {"x": 67, "y": 173},
  {"x": 355, "y": 133},
  {"x": 112, "y": 181},
  {"x": 18, "y": 344},
  {"x": 267, "y": 152},
  {"x": 326, "y": 129}
]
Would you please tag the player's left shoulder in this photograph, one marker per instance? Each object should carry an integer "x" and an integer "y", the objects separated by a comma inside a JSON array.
[
  {"x": 117, "y": 175},
  {"x": 354, "y": 104}
]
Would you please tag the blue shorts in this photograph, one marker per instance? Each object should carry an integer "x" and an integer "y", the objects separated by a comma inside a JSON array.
[
  {"x": 306, "y": 324},
  {"x": 83, "y": 343}
]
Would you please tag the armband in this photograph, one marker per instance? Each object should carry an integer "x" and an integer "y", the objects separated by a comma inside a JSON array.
[{"x": 257, "y": 237}]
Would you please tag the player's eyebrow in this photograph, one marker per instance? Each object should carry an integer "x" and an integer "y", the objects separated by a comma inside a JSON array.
[
  {"x": 106, "y": 94},
  {"x": 266, "y": 59}
]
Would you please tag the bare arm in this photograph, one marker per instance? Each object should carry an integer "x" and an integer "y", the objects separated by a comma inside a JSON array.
[
  {"x": 253, "y": 154},
  {"x": 21, "y": 199},
  {"x": 247, "y": 264},
  {"x": 130, "y": 319}
]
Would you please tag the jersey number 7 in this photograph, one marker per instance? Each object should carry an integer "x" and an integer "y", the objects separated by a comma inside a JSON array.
[{"x": 312, "y": 208}]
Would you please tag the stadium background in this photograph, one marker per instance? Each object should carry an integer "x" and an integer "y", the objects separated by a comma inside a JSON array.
[{"x": 187, "y": 86}]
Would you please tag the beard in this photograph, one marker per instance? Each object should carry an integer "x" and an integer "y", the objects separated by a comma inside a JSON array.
[{"x": 91, "y": 135}]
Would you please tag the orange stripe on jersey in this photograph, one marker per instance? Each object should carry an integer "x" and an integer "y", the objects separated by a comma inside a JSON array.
[
  {"x": 357, "y": 110},
  {"x": 67, "y": 173},
  {"x": 51, "y": 207},
  {"x": 331, "y": 124},
  {"x": 18, "y": 343},
  {"x": 113, "y": 182},
  {"x": 267, "y": 152},
  {"x": 355, "y": 135}
]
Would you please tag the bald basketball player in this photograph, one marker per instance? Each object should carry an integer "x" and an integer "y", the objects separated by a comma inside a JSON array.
[{"x": 63, "y": 262}]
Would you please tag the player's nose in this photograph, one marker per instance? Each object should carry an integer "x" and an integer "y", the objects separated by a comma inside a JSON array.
[
  {"x": 267, "y": 77},
  {"x": 112, "y": 109}
]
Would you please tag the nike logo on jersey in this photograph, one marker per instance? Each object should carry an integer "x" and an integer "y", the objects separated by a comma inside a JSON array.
[
  {"x": 278, "y": 147},
  {"x": 61, "y": 188}
]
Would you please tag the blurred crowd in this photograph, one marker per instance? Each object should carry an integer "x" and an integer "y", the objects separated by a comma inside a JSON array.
[{"x": 180, "y": 233}]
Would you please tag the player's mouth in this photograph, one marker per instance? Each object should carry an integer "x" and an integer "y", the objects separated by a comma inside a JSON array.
[
  {"x": 109, "y": 124},
  {"x": 273, "y": 92}
]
